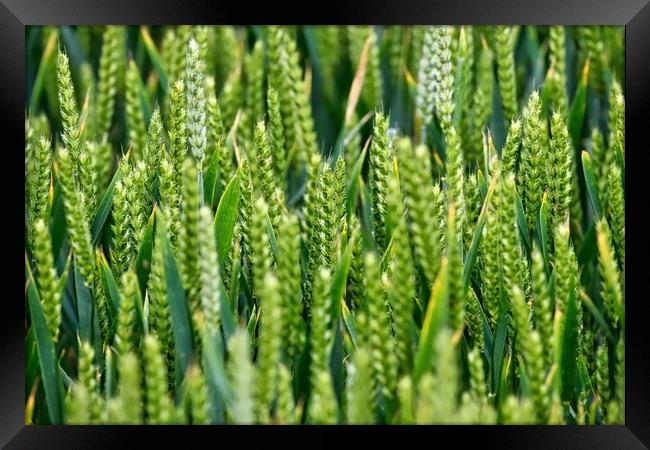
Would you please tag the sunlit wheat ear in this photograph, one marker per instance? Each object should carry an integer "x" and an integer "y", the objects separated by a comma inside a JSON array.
[
  {"x": 69, "y": 113},
  {"x": 378, "y": 336},
  {"x": 379, "y": 166},
  {"x": 617, "y": 118},
  {"x": 39, "y": 187},
  {"x": 158, "y": 403},
  {"x": 134, "y": 115},
  {"x": 359, "y": 389},
  {"x": 530, "y": 347},
  {"x": 416, "y": 181},
  {"x": 402, "y": 292},
  {"x": 48, "y": 281},
  {"x": 533, "y": 168},
  {"x": 241, "y": 374},
  {"x": 111, "y": 63},
  {"x": 270, "y": 344},
  {"x": 196, "y": 119},
  {"x": 127, "y": 329},
  {"x": 560, "y": 168},
  {"x": 188, "y": 239},
  {"x": 372, "y": 92},
  {"x": 288, "y": 274},
  {"x": 505, "y": 59},
  {"x": 611, "y": 282},
  {"x": 76, "y": 217},
  {"x": 480, "y": 102}
]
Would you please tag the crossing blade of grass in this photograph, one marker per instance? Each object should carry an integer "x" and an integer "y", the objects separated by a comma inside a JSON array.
[
  {"x": 579, "y": 107},
  {"x": 215, "y": 374},
  {"x": 352, "y": 186},
  {"x": 110, "y": 286},
  {"x": 346, "y": 135},
  {"x": 339, "y": 282},
  {"x": 482, "y": 183},
  {"x": 30, "y": 402},
  {"x": 225, "y": 219},
  {"x": 154, "y": 57},
  {"x": 598, "y": 317},
  {"x": 521, "y": 222},
  {"x": 357, "y": 82},
  {"x": 434, "y": 319},
  {"x": 145, "y": 101},
  {"x": 542, "y": 228},
  {"x": 65, "y": 378},
  {"x": 111, "y": 291},
  {"x": 32, "y": 368},
  {"x": 104, "y": 208},
  {"x": 46, "y": 357},
  {"x": 84, "y": 298},
  {"x": 488, "y": 338},
  {"x": 385, "y": 257},
  {"x": 348, "y": 321},
  {"x": 504, "y": 378},
  {"x": 588, "y": 249},
  {"x": 567, "y": 344},
  {"x": 499, "y": 346},
  {"x": 470, "y": 258},
  {"x": 57, "y": 221},
  {"x": 143, "y": 261},
  {"x": 70, "y": 318},
  {"x": 592, "y": 186},
  {"x": 271, "y": 234},
  {"x": 46, "y": 60},
  {"x": 233, "y": 295},
  {"x": 180, "y": 316},
  {"x": 251, "y": 325},
  {"x": 524, "y": 377},
  {"x": 353, "y": 98},
  {"x": 210, "y": 178}
]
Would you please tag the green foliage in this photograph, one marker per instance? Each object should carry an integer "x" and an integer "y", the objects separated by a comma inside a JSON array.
[{"x": 205, "y": 241}]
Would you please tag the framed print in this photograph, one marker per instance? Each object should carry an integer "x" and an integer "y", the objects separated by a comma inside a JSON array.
[{"x": 414, "y": 218}]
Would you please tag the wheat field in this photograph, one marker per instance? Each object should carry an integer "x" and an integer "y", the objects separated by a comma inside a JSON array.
[{"x": 325, "y": 225}]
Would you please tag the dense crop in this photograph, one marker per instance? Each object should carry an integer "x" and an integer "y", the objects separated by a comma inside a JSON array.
[{"x": 325, "y": 225}]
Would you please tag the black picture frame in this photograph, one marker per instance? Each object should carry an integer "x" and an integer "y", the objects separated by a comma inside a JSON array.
[{"x": 634, "y": 14}]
